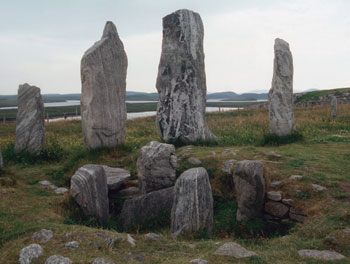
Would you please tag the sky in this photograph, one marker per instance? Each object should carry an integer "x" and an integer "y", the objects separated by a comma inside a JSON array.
[{"x": 43, "y": 41}]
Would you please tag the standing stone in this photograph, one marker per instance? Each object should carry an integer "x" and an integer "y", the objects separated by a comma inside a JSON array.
[
  {"x": 281, "y": 92},
  {"x": 193, "y": 203},
  {"x": 334, "y": 103},
  {"x": 103, "y": 77},
  {"x": 181, "y": 81},
  {"x": 89, "y": 190},
  {"x": 30, "y": 120},
  {"x": 156, "y": 166},
  {"x": 250, "y": 189},
  {"x": 1, "y": 161}
]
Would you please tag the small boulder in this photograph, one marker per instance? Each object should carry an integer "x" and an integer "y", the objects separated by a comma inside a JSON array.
[
  {"x": 318, "y": 188},
  {"x": 61, "y": 190},
  {"x": 276, "y": 209},
  {"x": 320, "y": 254},
  {"x": 274, "y": 196},
  {"x": 43, "y": 236},
  {"x": 275, "y": 184},
  {"x": 194, "y": 161},
  {"x": 193, "y": 203},
  {"x": 27, "y": 254},
  {"x": 71, "y": 245},
  {"x": 48, "y": 184},
  {"x": 56, "y": 259},
  {"x": 136, "y": 257},
  {"x": 115, "y": 177},
  {"x": 199, "y": 261},
  {"x": 235, "y": 250},
  {"x": 250, "y": 189},
  {"x": 153, "y": 236},
  {"x": 102, "y": 261},
  {"x": 156, "y": 166},
  {"x": 295, "y": 177},
  {"x": 89, "y": 190}
]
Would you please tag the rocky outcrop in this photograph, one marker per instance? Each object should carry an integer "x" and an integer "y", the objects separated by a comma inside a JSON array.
[
  {"x": 89, "y": 190},
  {"x": 193, "y": 203},
  {"x": 334, "y": 104},
  {"x": 103, "y": 77},
  {"x": 281, "y": 92},
  {"x": 115, "y": 177},
  {"x": 156, "y": 166},
  {"x": 181, "y": 81},
  {"x": 146, "y": 208},
  {"x": 30, "y": 120},
  {"x": 27, "y": 254},
  {"x": 250, "y": 189}
]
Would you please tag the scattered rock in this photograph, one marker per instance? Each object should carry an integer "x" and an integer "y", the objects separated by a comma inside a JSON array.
[
  {"x": 274, "y": 196},
  {"x": 229, "y": 151},
  {"x": 61, "y": 190},
  {"x": 276, "y": 209},
  {"x": 48, "y": 184},
  {"x": 153, "y": 236},
  {"x": 102, "y": 261},
  {"x": 43, "y": 236},
  {"x": 297, "y": 214},
  {"x": 192, "y": 209},
  {"x": 295, "y": 177},
  {"x": 136, "y": 256},
  {"x": 281, "y": 92},
  {"x": 274, "y": 155},
  {"x": 199, "y": 261},
  {"x": 250, "y": 189},
  {"x": 146, "y": 207},
  {"x": 27, "y": 254},
  {"x": 287, "y": 201},
  {"x": 156, "y": 166},
  {"x": 318, "y": 188},
  {"x": 56, "y": 259},
  {"x": 71, "y": 245},
  {"x": 320, "y": 254},
  {"x": 346, "y": 230},
  {"x": 89, "y": 190},
  {"x": 103, "y": 78},
  {"x": 95, "y": 245},
  {"x": 115, "y": 177},
  {"x": 130, "y": 240},
  {"x": 181, "y": 81},
  {"x": 228, "y": 166},
  {"x": 194, "y": 161},
  {"x": 275, "y": 184},
  {"x": 334, "y": 103},
  {"x": 30, "y": 120},
  {"x": 235, "y": 250},
  {"x": 110, "y": 241}
]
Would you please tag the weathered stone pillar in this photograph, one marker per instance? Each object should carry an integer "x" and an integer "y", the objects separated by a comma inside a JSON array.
[
  {"x": 181, "y": 81},
  {"x": 334, "y": 106},
  {"x": 103, "y": 77}
]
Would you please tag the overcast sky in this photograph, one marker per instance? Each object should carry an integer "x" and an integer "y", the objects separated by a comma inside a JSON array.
[{"x": 42, "y": 41}]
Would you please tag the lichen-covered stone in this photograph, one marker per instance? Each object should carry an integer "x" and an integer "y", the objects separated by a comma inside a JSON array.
[
  {"x": 281, "y": 92},
  {"x": 27, "y": 254},
  {"x": 103, "y": 77},
  {"x": 321, "y": 254},
  {"x": 193, "y": 203},
  {"x": 57, "y": 259},
  {"x": 89, "y": 190},
  {"x": 181, "y": 81},
  {"x": 235, "y": 250},
  {"x": 156, "y": 166},
  {"x": 115, "y": 177},
  {"x": 250, "y": 189},
  {"x": 42, "y": 236},
  {"x": 30, "y": 120}
]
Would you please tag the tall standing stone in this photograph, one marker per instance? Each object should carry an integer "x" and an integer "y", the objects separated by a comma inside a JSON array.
[
  {"x": 181, "y": 81},
  {"x": 103, "y": 77},
  {"x": 193, "y": 203},
  {"x": 281, "y": 92},
  {"x": 334, "y": 105},
  {"x": 30, "y": 120},
  {"x": 1, "y": 160}
]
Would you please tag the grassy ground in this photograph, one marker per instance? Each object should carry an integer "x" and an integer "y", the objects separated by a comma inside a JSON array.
[
  {"x": 321, "y": 155},
  {"x": 314, "y": 95}
]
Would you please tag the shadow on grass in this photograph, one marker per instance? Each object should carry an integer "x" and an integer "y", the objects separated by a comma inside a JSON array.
[{"x": 274, "y": 140}]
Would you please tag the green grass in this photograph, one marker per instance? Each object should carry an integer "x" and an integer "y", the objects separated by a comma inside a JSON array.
[{"x": 314, "y": 95}]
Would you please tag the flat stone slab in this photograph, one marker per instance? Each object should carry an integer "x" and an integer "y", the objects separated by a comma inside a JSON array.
[
  {"x": 48, "y": 184},
  {"x": 61, "y": 190},
  {"x": 115, "y": 177},
  {"x": 235, "y": 250},
  {"x": 318, "y": 188},
  {"x": 274, "y": 196},
  {"x": 295, "y": 177},
  {"x": 320, "y": 254}
]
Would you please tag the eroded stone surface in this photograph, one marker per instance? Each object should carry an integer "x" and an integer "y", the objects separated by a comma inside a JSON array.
[
  {"x": 156, "y": 166},
  {"x": 274, "y": 196},
  {"x": 193, "y": 203},
  {"x": 334, "y": 105},
  {"x": 71, "y": 244},
  {"x": 89, "y": 190},
  {"x": 27, "y": 254},
  {"x": 320, "y": 254},
  {"x": 61, "y": 190},
  {"x": 42, "y": 236},
  {"x": 181, "y": 81},
  {"x": 276, "y": 209},
  {"x": 57, "y": 259},
  {"x": 235, "y": 250},
  {"x": 250, "y": 189},
  {"x": 281, "y": 92},
  {"x": 102, "y": 261},
  {"x": 30, "y": 120},
  {"x": 103, "y": 78},
  {"x": 115, "y": 177}
]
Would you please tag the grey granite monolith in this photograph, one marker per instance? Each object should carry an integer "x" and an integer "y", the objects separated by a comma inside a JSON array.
[
  {"x": 89, "y": 189},
  {"x": 103, "y": 78},
  {"x": 193, "y": 203},
  {"x": 156, "y": 166},
  {"x": 1, "y": 160},
  {"x": 30, "y": 120},
  {"x": 334, "y": 106},
  {"x": 181, "y": 81},
  {"x": 249, "y": 184},
  {"x": 281, "y": 92}
]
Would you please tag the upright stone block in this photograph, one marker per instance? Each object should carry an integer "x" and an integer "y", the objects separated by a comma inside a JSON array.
[
  {"x": 30, "y": 120},
  {"x": 334, "y": 106},
  {"x": 103, "y": 77},
  {"x": 181, "y": 81},
  {"x": 281, "y": 92}
]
